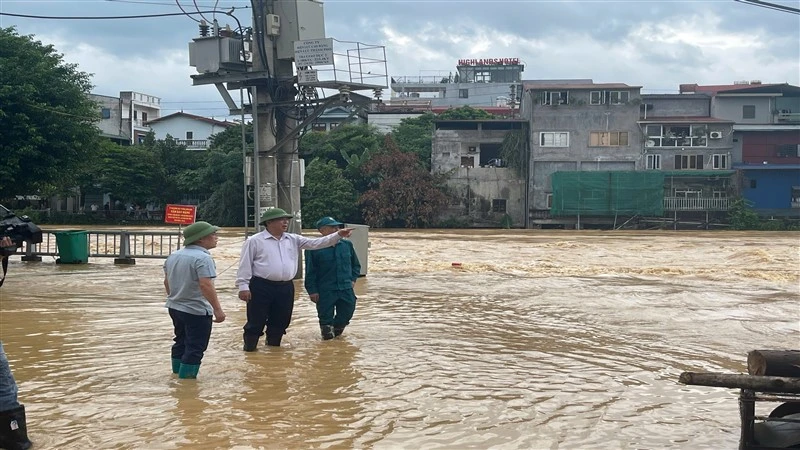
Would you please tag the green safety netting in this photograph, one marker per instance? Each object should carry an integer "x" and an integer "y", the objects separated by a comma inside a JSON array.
[{"x": 608, "y": 193}]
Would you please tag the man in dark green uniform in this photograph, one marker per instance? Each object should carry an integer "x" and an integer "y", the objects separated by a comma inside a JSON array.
[{"x": 331, "y": 274}]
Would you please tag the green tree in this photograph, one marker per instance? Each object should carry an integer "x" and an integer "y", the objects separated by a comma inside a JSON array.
[
  {"x": 327, "y": 192},
  {"x": 222, "y": 175},
  {"x": 352, "y": 140},
  {"x": 47, "y": 132},
  {"x": 178, "y": 171},
  {"x": 414, "y": 135},
  {"x": 402, "y": 192},
  {"x": 348, "y": 146},
  {"x": 513, "y": 150},
  {"x": 465, "y": 113},
  {"x": 131, "y": 173},
  {"x": 741, "y": 217}
]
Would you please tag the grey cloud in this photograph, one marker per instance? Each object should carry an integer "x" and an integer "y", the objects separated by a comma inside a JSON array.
[{"x": 583, "y": 39}]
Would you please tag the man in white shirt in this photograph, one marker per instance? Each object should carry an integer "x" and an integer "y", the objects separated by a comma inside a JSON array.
[{"x": 267, "y": 267}]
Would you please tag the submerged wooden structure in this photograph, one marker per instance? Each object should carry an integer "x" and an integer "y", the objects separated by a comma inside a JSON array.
[{"x": 773, "y": 376}]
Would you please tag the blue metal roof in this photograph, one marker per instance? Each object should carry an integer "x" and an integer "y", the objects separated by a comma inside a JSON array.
[{"x": 767, "y": 166}]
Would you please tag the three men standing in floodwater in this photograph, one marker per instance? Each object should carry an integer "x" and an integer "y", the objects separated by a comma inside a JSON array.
[{"x": 267, "y": 267}]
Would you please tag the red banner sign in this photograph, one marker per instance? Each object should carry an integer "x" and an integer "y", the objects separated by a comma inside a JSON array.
[{"x": 180, "y": 214}]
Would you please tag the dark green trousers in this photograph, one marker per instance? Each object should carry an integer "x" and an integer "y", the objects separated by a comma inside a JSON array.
[{"x": 336, "y": 307}]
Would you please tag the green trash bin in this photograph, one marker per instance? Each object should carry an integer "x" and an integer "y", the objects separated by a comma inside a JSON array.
[{"x": 73, "y": 247}]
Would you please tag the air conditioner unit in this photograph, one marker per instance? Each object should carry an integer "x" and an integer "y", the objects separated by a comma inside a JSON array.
[{"x": 715, "y": 135}]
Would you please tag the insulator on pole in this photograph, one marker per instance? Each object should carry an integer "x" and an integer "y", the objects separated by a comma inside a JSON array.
[{"x": 203, "y": 28}]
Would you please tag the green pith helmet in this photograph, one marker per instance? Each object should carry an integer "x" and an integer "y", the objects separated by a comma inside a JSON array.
[{"x": 274, "y": 213}]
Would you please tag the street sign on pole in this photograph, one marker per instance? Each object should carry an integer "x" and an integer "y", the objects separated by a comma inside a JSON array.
[
  {"x": 306, "y": 76},
  {"x": 180, "y": 214},
  {"x": 313, "y": 52}
]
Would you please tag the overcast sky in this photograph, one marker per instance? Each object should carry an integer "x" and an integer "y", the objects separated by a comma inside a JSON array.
[{"x": 654, "y": 44}]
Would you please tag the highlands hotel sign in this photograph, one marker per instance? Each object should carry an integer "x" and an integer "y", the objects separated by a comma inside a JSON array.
[{"x": 489, "y": 62}]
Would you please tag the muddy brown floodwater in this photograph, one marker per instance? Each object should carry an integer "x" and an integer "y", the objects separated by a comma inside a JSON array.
[{"x": 542, "y": 339}]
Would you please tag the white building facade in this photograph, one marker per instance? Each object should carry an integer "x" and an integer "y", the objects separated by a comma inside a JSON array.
[{"x": 188, "y": 129}]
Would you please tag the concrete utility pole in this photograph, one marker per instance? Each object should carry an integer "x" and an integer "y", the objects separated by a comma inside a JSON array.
[
  {"x": 278, "y": 168},
  {"x": 285, "y": 33}
]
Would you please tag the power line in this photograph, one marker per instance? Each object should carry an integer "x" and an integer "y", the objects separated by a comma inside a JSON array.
[
  {"x": 215, "y": 8},
  {"x": 54, "y": 111},
  {"x": 198, "y": 10},
  {"x": 767, "y": 5},
  {"x": 184, "y": 11},
  {"x": 156, "y": 3},
  {"x": 141, "y": 16}
]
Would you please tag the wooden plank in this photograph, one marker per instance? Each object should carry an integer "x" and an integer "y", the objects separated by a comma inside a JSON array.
[
  {"x": 741, "y": 381},
  {"x": 778, "y": 363}
]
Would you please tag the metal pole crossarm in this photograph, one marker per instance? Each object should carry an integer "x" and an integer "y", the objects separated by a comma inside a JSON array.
[
  {"x": 229, "y": 77},
  {"x": 318, "y": 111},
  {"x": 226, "y": 96}
]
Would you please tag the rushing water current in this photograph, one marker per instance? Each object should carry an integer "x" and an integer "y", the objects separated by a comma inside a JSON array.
[{"x": 540, "y": 339}]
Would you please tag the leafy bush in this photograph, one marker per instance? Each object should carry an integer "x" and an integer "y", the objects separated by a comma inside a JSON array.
[{"x": 741, "y": 217}]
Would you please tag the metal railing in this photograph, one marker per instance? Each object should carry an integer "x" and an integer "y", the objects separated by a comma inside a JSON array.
[
  {"x": 194, "y": 143},
  {"x": 123, "y": 246},
  {"x": 788, "y": 117},
  {"x": 696, "y": 204},
  {"x": 421, "y": 79}
]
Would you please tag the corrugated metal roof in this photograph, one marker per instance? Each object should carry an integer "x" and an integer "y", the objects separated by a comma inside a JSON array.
[
  {"x": 739, "y": 88},
  {"x": 545, "y": 87},
  {"x": 767, "y": 166}
]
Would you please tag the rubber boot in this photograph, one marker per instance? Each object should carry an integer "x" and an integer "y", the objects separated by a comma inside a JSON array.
[
  {"x": 337, "y": 331},
  {"x": 327, "y": 332},
  {"x": 176, "y": 365},
  {"x": 250, "y": 343},
  {"x": 14, "y": 430},
  {"x": 188, "y": 371},
  {"x": 274, "y": 340}
]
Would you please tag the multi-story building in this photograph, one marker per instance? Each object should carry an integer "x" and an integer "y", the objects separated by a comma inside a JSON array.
[
  {"x": 188, "y": 129},
  {"x": 123, "y": 118},
  {"x": 578, "y": 125},
  {"x": 485, "y": 190},
  {"x": 765, "y": 141},
  {"x": 110, "y": 124},
  {"x": 476, "y": 82},
  {"x": 694, "y": 152}
]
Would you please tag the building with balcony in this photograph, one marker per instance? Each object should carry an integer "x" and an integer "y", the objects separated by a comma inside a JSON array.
[
  {"x": 388, "y": 117},
  {"x": 137, "y": 110},
  {"x": 122, "y": 119},
  {"x": 643, "y": 198},
  {"x": 693, "y": 150},
  {"x": 188, "y": 129},
  {"x": 765, "y": 141}
]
